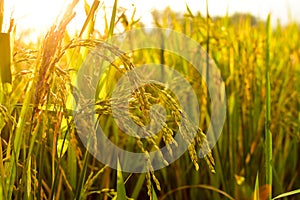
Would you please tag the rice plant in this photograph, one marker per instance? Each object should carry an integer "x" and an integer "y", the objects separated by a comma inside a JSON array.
[{"x": 42, "y": 155}]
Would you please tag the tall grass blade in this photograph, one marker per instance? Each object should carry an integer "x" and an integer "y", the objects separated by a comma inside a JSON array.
[
  {"x": 2, "y": 170},
  {"x": 207, "y": 44},
  {"x": 28, "y": 164},
  {"x": 268, "y": 135},
  {"x": 5, "y": 58},
  {"x": 256, "y": 189},
  {"x": 189, "y": 11},
  {"x": 72, "y": 165},
  {"x": 112, "y": 20},
  {"x": 121, "y": 191},
  {"x": 11, "y": 166},
  {"x": 62, "y": 146},
  {"x": 154, "y": 196},
  {"x": 287, "y": 194},
  {"x": 138, "y": 186},
  {"x": 82, "y": 175},
  {"x": 90, "y": 17},
  {"x": 28, "y": 183}
]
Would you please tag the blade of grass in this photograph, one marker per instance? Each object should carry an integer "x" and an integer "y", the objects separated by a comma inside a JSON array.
[
  {"x": 154, "y": 196},
  {"x": 287, "y": 194},
  {"x": 88, "y": 28},
  {"x": 90, "y": 17},
  {"x": 27, "y": 194},
  {"x": 256, "y": 189},
  {"x": 2, "y": 184},
  {"x": 28, "y": 165},
  {"x": 82, "y": 175},
  {"x": 112, "y": 20},
  {"x": 72, "y": 163},
  {"x": 268, "y": 134},
  {"x": 207, "y": 187},
  {"x": 11, "y": 166},
  {"x": 40, "y": 161},
  {"x": 207, "y": 44},
  {"x": 121, "y": 191},
  {"x": 138, "y": 186},
  {"x": 189, "y": 10},
  {"x": 5, "y": 58}
]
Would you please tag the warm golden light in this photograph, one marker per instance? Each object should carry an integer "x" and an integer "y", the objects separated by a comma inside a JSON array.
[{"x": 38, "y": 15}]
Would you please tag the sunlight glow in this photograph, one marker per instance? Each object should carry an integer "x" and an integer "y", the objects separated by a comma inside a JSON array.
[{"x": 37, "y": 16}]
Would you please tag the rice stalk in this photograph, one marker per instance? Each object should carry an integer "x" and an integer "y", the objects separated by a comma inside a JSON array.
[{"x": 268, "y": 134}]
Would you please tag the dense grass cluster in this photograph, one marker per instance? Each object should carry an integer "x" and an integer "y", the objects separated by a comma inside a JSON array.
[{"x": 42, "y": 157}]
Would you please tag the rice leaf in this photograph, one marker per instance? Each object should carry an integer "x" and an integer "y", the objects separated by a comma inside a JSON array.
[
  {"x": 121, "y": 191},
  {"x": 62, "y": 146},
  {"x": 256, "y": 189},
  {"x": 82, "y": 175},
  {"x": 268, "y": 134},
  {"x": 286, "y": 194},
  {"x": 28, "y": 180},
  {"x": 5, "y": 58},
  {"x": 72, "y": 163},
  {"x": 90, "y": 17},
  {"x": 112, "y": 20},
  {"x": 189, "y": 11},
  {"x": 138, "y": 186},
  {"x": 154, "y": 196}
]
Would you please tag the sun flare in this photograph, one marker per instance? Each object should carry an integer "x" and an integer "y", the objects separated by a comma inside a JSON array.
[{"x": 37, "y": 16}]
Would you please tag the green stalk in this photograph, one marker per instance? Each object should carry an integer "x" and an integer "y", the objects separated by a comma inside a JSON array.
[
  {"x": 207, "y": 45},
  {"x": 121, "y": 191},
  {"x": 89, "y": 22},
  {"x": 138, "y": 186},
  {"x": 268, "y": 134},
  {"x": 82, "y": 175},
  {"x": 112, "y": 20},
  {"x": 5, "y": 58},
  {"x": 11, "y": 166}
]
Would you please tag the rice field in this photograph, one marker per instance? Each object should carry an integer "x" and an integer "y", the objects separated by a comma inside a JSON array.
[{"x": 47, "y": 127}]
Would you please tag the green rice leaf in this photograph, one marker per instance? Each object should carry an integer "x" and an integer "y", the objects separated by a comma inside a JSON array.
[
  {"x": 189, "y": 11},
  {"x": 138, "y": 186},
  {"x": 256, "y": 189},
  {"x": 28, "y": 180},
  {"x": 5, "y": 58},
  {"x": 268, "y": 134},
  {"x": 62, "y": 146},
  {"x": 287, "y": 194},
  {"x": 91, "y": 12},
  {"x": 121, "y": 192},
  {"x": 154, "y": 196},
  {"x": 112, "y": 20}
]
